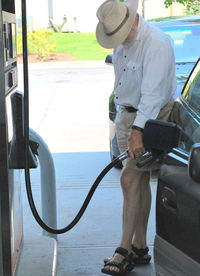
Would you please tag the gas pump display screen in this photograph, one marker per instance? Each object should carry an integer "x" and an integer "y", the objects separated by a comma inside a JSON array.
[
  {"x": 10, "y": 51},
  {"x": 9, "y": 33}
]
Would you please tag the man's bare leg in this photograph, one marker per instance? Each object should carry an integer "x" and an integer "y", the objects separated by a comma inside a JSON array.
[
  {"x": 131, "y": 183},
  {"x": 139, "y": 238}
]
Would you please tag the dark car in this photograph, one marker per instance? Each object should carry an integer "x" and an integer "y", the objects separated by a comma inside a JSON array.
[
  {"x": 177, "y": 240},
  {"x": 185, "y": 36}
]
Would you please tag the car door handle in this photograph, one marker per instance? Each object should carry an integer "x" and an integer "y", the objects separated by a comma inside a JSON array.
[{"x": 169, "y": 199}]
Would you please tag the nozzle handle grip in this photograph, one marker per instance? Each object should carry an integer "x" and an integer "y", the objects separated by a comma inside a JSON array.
[
  {"x": 123, "y": 156},
  {"x": 147, "y": 159}
]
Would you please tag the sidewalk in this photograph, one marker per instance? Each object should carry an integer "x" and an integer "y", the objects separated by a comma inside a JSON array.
[{"x": 69, "y": 109}]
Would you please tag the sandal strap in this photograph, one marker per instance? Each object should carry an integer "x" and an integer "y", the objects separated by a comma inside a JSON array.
[
  {"x": 119, "y": 250},
  {"x": 127, "y": 261},
  {"x": 140, "y": 252},
  {"x": 122, "y": 251},
  {"x": 115, "y": 264}
]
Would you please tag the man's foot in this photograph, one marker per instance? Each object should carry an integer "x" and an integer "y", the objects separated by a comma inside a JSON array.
[
  {"x": 120, "y": 263},
  {"x": 140, "y": 256}
]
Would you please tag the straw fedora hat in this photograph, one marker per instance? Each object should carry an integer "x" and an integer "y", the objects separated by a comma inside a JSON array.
[{"x": 115, "y": 21}]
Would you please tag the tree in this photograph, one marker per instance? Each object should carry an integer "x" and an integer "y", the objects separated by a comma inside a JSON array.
[{"x": 192, "y": 6}]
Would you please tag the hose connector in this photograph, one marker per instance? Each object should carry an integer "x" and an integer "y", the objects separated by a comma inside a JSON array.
[{"x": 123, "y": 156}]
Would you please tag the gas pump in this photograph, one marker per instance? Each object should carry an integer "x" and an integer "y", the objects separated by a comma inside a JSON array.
[
  {"x": 11, "y": 144},
  {"x": 11, "y": 227}
]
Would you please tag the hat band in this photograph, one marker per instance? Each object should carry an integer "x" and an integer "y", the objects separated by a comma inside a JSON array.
[{"x": 121, "y": 25}]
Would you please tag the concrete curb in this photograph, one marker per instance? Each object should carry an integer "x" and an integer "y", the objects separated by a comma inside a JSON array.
[{"x": 38, "y": 258}]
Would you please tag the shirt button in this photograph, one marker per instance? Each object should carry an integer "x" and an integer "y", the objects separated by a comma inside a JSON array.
[
  {"x": 124, "y": 70},
  {"x": 120, "y": 83},
  {"x": 125, "y": 56},
  {"x": 116, "y": 97}
]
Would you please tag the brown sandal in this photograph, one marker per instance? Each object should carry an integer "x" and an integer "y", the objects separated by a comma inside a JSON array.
[{"x": 125, "y": 266}]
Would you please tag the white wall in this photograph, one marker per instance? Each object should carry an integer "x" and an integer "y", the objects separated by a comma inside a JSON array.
[
  {"x": 38, "y": 10},
  {"x": 156, "y": 8},
  {"x": 83, "y": 10}
]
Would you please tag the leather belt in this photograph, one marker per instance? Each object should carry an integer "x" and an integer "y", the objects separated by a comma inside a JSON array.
[{"x": 130, "y": 109}]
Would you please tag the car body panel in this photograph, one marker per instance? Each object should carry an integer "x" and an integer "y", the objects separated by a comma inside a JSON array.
[
  {"x": 178, "y": 209},
  {"x": 176, "y": 263},
  {"x": 178, "y": 195}
]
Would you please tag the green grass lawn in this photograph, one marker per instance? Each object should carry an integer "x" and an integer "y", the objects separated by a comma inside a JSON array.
[{"x": 82, "y": 46}]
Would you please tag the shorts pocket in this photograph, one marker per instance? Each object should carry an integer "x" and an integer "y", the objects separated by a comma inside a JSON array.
[{"x": 165, "y": 112}]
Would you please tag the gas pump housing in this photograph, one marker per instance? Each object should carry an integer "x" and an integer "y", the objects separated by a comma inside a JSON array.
[{"x": 11, "y": 226}]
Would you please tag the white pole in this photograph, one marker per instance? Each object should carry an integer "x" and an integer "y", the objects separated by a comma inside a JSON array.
[{"x": 48, "y": 182}]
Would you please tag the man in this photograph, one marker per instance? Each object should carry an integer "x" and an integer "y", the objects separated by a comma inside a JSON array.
[{"x": 144, "y": 67}]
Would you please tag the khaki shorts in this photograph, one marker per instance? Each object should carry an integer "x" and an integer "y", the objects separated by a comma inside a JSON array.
[{"x": 123, "y": 122}]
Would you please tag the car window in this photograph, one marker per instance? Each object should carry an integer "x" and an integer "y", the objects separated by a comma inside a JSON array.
[
  {"x": 190, "y": 119},
  {"x": 186, "y": 41}
]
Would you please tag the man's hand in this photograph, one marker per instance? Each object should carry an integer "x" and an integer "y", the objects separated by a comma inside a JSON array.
[{"x": 136, "y": 147}]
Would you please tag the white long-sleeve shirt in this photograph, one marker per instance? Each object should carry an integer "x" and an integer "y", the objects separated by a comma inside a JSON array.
[{"x": 145, "y": 72}]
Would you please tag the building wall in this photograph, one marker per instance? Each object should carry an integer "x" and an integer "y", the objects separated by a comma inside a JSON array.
[
  {"x": 156, "y": 8},
  {"x": 81, "y": 14},
  {"x": 85, "y": 12},
  {"x": 37, "y": 12}
]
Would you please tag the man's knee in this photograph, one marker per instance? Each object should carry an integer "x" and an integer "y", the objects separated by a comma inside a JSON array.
[{"x": 130, "y": 179}]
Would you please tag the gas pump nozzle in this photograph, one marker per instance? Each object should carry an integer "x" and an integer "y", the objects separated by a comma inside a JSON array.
[
  {"x": 16, "y": 146},
  {"x": 145, "y": 159},
  {"x": 159, "y": 137},
  {"x": 123, "y": 156}
]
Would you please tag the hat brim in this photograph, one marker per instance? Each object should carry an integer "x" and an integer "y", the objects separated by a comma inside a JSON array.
[{"x": 116, "y": 39}]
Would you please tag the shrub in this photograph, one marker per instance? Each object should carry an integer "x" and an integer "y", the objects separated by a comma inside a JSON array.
[
  {"x": 40, "y": 42},
  {"x": 19, "y": 41}
]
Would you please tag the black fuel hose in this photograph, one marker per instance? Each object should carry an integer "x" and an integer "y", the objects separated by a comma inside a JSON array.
[{"x": 26, "y": 135}]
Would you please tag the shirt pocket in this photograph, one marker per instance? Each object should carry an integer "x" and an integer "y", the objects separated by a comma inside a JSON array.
[{"x": 134, "y": 72}]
